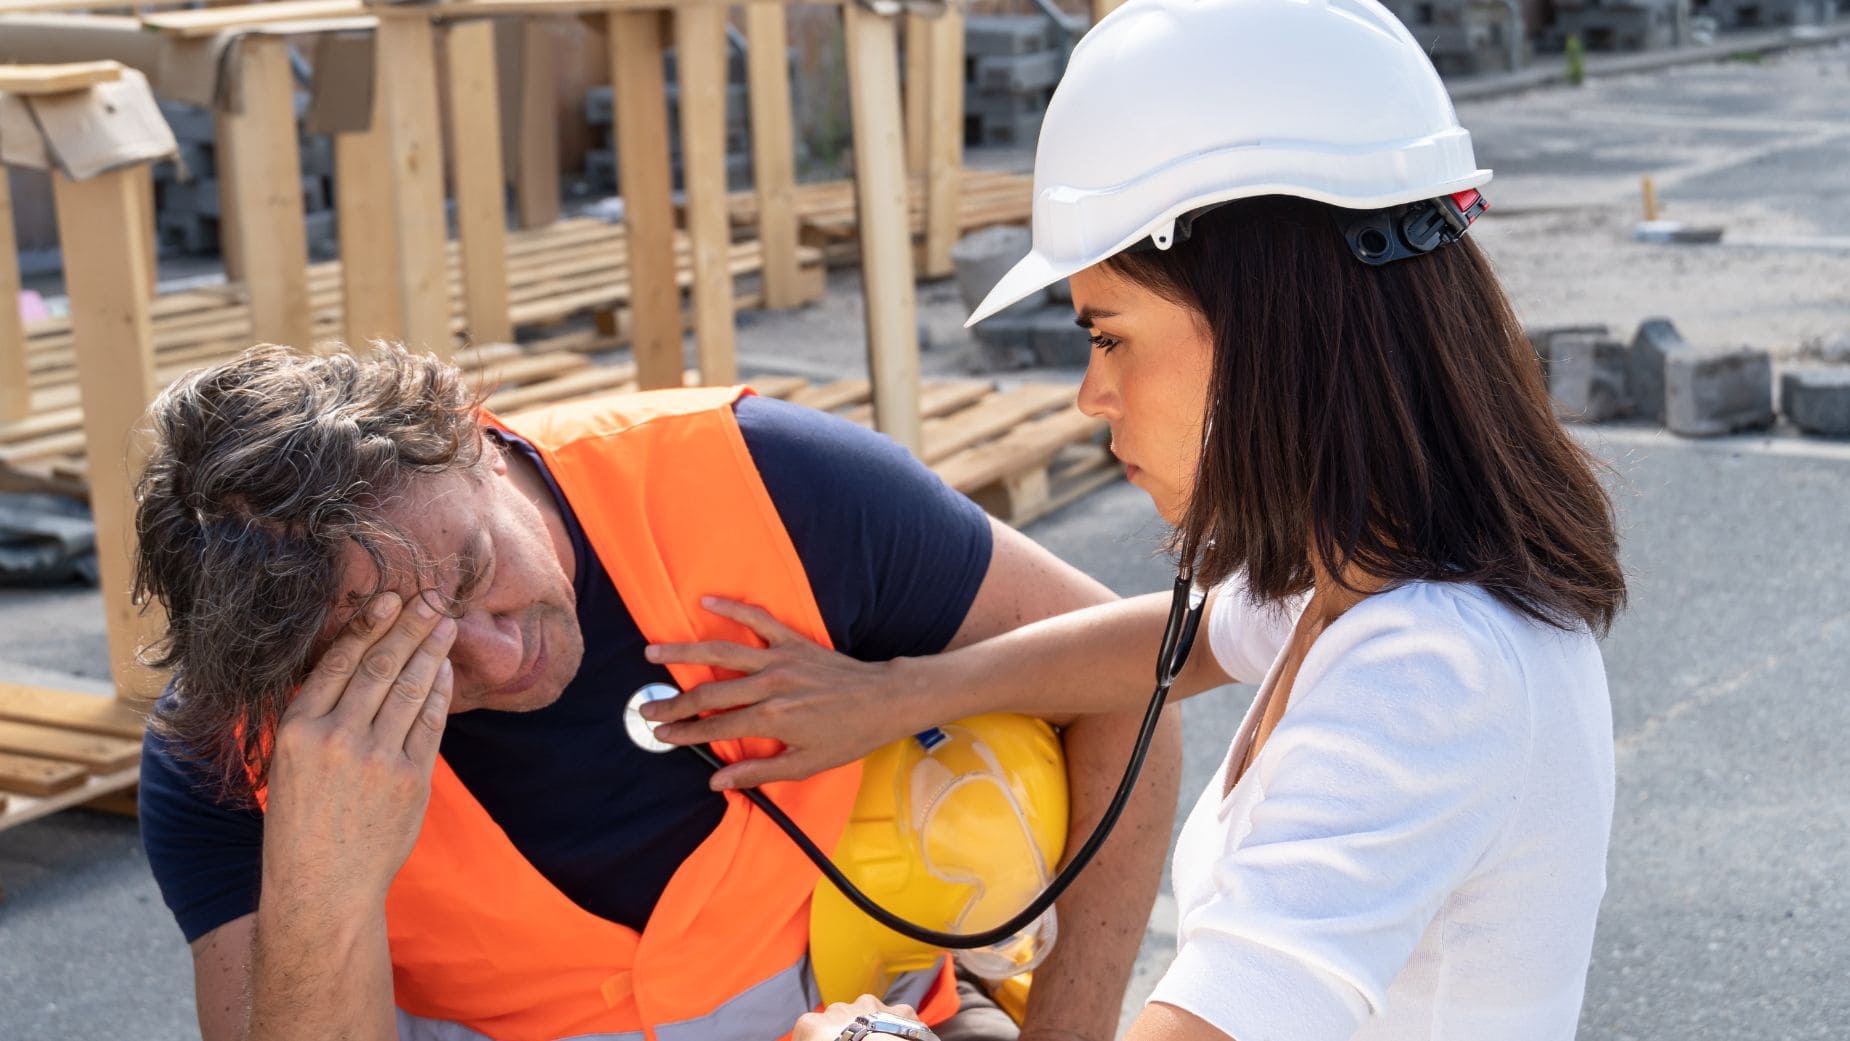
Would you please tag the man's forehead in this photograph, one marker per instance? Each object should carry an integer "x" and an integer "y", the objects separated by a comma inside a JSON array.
[{"x": 437, "y": 520}]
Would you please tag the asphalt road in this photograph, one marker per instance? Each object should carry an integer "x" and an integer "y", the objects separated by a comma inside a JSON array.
[{"x": 1727, "y": 904}]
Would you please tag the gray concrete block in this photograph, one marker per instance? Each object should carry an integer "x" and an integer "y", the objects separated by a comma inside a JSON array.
[
  {"x": 1044, "y": 336},
  {"x": 189, "y": 122},
  {"x": 1019, "y": 73},
  {"x": 1587, "y": 377},
  {"x": 1817, "y": 400},
  {"x": 1007, "y": 34},
  {"x": 1656, "y": 341},
  {"x": 1024, "y": 129},
  {"x": 1541, "y": 337},
  {"x": 1713, "y": 392},
  {"x": 981, "y": 258}
]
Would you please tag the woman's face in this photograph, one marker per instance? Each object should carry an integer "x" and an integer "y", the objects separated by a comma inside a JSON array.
[{"x": 1148, "y": 378}]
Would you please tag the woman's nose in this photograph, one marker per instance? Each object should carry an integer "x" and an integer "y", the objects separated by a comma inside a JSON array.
[{"x": 1097, "y": 397}]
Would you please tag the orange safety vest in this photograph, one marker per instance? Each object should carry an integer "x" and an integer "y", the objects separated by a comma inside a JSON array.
[{"x": 483, "y": 946}]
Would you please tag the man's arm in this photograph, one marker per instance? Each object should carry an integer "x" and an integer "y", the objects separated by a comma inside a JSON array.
[
  {"x": 1078, "y": 991},
  {"x": 348, "y": 785}
]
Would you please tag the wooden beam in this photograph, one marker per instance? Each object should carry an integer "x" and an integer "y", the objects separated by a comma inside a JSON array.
[
  {"x": 773, "y": 152},
  {"x": 700, "y": 49},
  {"x": 886, "y": 234},
  {"x": 15, "y": 385},
  {"x": 944, "y": 139},
  {"x": 1101, "y": 8},
  {"x": 475, "y": 172},
  {"x": 70, "y": 710},
  {"x": 267, "y": 180},
  {"x": 641, "y": 102},
  {"x": 372, "y": 306},
  {"x": 57, "y": 79},
  {"x": 408, "y": 87},
  {"x": 536, "y": 160},
  {"x": 210, "y": 21},
  {"x": 104, "y": 263}
]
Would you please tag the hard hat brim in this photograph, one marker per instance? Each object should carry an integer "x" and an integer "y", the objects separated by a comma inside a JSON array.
[{"x": 1030, "y": 275}]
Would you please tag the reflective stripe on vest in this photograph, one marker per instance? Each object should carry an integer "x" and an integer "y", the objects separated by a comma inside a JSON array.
[{"x": 780, "y": 999}]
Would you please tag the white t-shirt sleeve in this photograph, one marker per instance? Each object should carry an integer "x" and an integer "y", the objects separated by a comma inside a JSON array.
[
  {"x": 1245, "y": 637},
  {"x": 1393, "y": 770}
]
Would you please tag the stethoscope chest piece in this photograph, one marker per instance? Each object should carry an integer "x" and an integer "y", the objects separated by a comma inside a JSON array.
[{"x": 641, "y": 731}]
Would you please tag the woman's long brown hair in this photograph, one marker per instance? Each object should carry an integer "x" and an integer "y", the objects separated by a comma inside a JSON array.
[{"x": 1391, "y": 420}]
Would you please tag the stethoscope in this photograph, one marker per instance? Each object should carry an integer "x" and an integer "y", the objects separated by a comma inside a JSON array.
[{"x": 1185, "y": 609}]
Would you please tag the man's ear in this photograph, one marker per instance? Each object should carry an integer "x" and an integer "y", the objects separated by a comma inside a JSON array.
[{"x": 495, "y": 453}]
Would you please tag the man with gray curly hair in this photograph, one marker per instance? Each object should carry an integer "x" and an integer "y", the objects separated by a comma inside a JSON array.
[{"x": 389, "y": 791}]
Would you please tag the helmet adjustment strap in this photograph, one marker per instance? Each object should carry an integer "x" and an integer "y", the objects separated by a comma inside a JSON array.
[{"x": 1378, "y": 237}]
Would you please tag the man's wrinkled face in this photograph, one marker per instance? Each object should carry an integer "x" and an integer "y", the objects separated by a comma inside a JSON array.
[{"x": 497, "y": 558}]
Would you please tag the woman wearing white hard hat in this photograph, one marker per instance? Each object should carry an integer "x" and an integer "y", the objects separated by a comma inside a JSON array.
[{"x": 1262, "y": 207}]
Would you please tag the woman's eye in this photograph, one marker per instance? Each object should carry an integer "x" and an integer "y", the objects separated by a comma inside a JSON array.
[{"x": 1104, "y": 343}]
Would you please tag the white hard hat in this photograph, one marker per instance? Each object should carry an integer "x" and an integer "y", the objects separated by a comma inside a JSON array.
[{"x": 1171, "y": 105}]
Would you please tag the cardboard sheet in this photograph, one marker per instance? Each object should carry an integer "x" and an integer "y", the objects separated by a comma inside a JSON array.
[{"x": 85, "y": 133}]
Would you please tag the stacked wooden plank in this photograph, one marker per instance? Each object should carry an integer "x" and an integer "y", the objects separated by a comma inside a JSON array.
[
  {"x": 826, "y": 215},
  {"x": 59, "y": 749},
  {"x": 555, "y": 272}
]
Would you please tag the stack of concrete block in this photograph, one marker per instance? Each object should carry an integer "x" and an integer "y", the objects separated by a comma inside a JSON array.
[
  {"x": 1694, "y": 391},
  {"x": 601, "y": 163},
  {"x": 1465, "y": 37},
  {"x": 188, "y": 203},
  {"x": 1757, "y": 14},
  {"x": 1011, "y": 65},
  {"x": 1616, "y": 25},
  {"x": 1037, "y": 331}
]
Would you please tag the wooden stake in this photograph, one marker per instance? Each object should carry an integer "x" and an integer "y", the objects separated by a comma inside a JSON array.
[
  {"x": 1650, "y": 198},
  {"x": 144, "y": 177},
  {"x": 773, "y": 152},
  {"x": 1101, "y": 8},
  {"x": 944, "y": 141},
  {"x": 104, "y": 270},
  {"x": 372, "y": 307},
  {"x": 700, "y": 46},
  {"x": 641, "y": 102},
  {"x": 15, "y": 386},
  {"x": 475, "y": 171},
  {"x": 536, "y": 165},
  {"x": 918, "y": 43},
  {"x": 886, "y": 232},
  {"x": 408, "y": 87},
  {"x": 230, "y": 239},
  {"x": 267, "y": 180}
]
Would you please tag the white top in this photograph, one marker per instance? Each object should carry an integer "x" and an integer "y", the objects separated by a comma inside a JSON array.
[{"x": 1419, "y": 850}]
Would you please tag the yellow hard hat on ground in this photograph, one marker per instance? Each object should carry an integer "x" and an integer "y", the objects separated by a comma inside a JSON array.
[{"x": 956, "y": 829}]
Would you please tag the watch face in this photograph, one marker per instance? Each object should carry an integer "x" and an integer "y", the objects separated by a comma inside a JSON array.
[{"x": 894, "y": 1026}]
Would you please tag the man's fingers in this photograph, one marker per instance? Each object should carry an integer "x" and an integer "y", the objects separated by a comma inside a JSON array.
[
  {"x": 328, "y": 679},
  {"x": 380, "y": 665},
  {"x": 755, "y": 618},
  {"x": 427, "y": 729},
  {"x": 719, "y": 654},
  {"x": 405, "y": 698}
]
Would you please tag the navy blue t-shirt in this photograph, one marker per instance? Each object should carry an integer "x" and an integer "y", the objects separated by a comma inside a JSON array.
[{"x": 894, "y": 559}]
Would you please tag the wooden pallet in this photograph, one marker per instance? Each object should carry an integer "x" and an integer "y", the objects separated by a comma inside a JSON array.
[
  {"x": 827, "y": 220},
  {"x": 1019, "y": 452},
  {"x": 571, "y": 268}
]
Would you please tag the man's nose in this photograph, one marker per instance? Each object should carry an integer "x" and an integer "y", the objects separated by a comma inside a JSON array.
[{"x": 489, "y": 650}]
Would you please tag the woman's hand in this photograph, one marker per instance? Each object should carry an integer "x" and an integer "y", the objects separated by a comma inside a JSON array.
[
  {"x": 826, "y": 708},
  {"x": 830, "y": 1023}
]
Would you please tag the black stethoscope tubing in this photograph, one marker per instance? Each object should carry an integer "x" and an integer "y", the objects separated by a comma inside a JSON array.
[{"x": 1185, "y": 608}]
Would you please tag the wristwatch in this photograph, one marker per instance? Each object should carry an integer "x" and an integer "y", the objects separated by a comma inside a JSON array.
[{"x": 885, "y": 1024}]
